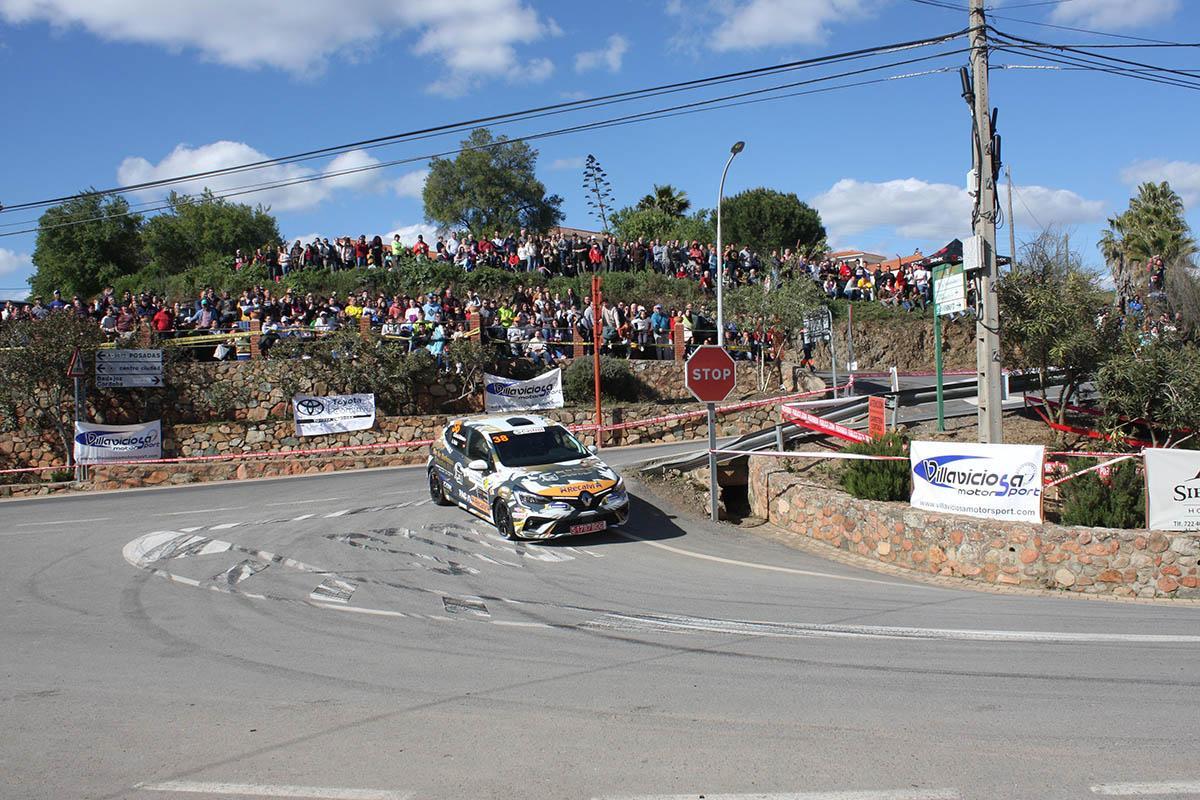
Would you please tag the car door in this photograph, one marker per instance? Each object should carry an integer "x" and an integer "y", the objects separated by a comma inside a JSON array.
[
  {"x": 474, "y": 482},
  {"x": 455, "y": 454}
]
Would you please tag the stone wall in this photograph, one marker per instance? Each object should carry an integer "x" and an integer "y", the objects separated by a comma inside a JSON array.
[{"x": 1085, "y": 560}]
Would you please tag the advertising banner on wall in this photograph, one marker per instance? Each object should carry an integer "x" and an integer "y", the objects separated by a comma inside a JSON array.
[
  {"x": 105, "y": 444},
  {"x": 996, "y": 481},
  {"x": 335, "y": 413},
  {"x": 506, "y": 394},
  {"x": 1172, "y": 489}
]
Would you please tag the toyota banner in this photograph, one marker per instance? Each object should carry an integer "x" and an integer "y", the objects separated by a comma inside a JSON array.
[
  {"x": 336, "y": 413},
  {"x": 996, "y": 481},
  {"x": 108, "y": 444},
  {"x": 506, "y": 394}
]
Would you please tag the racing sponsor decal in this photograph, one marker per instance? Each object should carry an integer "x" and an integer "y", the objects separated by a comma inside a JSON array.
[
  {"x": 506, "y": 394},
  {"x": 575, "y": 489},
  {"x": 997, "y": 481},
  {"x": 480, "y": 504},
  {"x": 98, "y": 444}
]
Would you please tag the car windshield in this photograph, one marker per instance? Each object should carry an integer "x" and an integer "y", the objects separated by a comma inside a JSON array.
[{"x": 534, "y": 446}]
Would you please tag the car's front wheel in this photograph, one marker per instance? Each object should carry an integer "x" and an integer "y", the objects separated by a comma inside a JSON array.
[
  {"x": 503, "y": 520},
  {"x": 436, "y": 492}
]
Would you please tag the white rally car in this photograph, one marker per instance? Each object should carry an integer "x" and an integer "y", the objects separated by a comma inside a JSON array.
[{"x": 527, "y": 475}]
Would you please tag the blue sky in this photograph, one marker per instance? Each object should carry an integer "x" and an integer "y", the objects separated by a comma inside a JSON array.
[{"x": 120, "y": 91}]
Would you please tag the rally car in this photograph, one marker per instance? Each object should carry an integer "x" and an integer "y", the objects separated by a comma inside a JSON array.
[{"x": 527, "y": 475}]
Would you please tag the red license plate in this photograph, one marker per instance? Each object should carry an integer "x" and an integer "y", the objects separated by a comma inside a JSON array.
[{"x": 589, "y": 527}]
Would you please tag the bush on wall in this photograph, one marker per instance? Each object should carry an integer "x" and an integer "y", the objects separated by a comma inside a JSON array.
[{"x": 879, "y": 480}]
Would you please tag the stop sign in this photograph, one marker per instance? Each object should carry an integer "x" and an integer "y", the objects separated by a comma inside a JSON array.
[{"x": 709, "y": 374}]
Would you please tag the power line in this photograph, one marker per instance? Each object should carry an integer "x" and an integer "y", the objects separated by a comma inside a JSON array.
[
  {"x": 527, "y": 113},
  {"x": 1080, "y": 30},
  {"x": 678, "y": 110},
  {"x": 1091, "y": 66},
  {"x": 1080, "y": 50}
]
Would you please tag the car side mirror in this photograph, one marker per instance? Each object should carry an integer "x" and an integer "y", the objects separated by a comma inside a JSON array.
[
  {"x": 478, "y": 465},
  {"x": 593, "y": 449}
]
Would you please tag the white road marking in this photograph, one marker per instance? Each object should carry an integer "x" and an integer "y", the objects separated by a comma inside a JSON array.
[
  {"x": 772, "y": 567},
  {"x": 298, "y": 502},
  {"x": 671, "y": 623},
  {"x": 512, "y": 623},
  {"x": 197, "y": 528},
  {"x": 337, "y": 514},
  {"x": 1163, "y": 788},
  {"x": 224, "y": 526},
  {"x": 303, "y": 517},
  {"x": 274, "y": 790},
  {"x": 61, "y": 522},
  {"x": 892, "y": 794},
  {"x": 199, "y": 511}
]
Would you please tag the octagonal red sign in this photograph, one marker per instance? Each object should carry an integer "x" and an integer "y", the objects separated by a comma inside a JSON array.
[{"x": 709, "y": 374}]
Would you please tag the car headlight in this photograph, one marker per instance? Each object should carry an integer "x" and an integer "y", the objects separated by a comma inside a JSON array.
[
  {"x": 617, "y": 497},
  {"x": 530, "y": 499}
]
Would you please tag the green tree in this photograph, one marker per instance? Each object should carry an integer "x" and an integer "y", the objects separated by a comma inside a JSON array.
[
  {"x": 197, "y": 229},
  {"x": 767, "y": 220},
  {"x": 667, "y": 199},
  {"x": 631, "y": 223},
  {"x": 1050, "y": 305},
  {"x": 34, "y": 388},
  {"x": 490, "y": 185},
  {"x": 1153, "y": 225},
  {"x": 1150, "y": 388},
  {"x": 85, "y": 244}
]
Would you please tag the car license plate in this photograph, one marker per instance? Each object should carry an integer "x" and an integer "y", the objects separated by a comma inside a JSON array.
[{"x": 589, "y": 527}]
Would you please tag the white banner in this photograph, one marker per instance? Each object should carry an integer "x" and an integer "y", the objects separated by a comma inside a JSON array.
[
  {"x": 997, "y": 481},
  {"x": 333, "y": 414},
  {"x": 1172, "y": 489},
  {"x": 104, "y": 444},
  {"x": 506, "y": 394}
]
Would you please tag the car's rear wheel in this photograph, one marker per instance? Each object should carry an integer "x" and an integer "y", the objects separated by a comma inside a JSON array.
[
  {"x": 436, "y": 492},
  {"x": 503, "y": 520}
]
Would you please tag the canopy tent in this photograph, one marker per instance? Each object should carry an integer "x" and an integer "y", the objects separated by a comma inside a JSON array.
[{"x": 953, "y": 254}]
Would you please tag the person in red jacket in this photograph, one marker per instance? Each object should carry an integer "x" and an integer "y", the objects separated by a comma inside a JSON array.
[
  {"x": 420, "y": 249},
  {"x": 163, "y": 320}
]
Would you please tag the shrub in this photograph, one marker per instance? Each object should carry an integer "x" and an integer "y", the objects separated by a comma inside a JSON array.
[
  {"x": 1114, "y": 500},
  {"x": 617, "y": 382},
  {"x": 878, "y": 480}
]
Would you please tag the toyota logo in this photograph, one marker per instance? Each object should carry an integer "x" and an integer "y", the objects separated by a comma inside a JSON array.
[
  {"x": 586, "y": 498},
  {"x": 310, "y": 406}
]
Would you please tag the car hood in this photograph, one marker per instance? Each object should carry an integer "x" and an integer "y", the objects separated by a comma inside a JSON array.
[{"x": 567, "y": 479}]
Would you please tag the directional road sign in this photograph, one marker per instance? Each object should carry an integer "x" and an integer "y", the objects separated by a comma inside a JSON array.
[
  {"x": 125, "y": 369},
  {"x": 709, "y": 374}
]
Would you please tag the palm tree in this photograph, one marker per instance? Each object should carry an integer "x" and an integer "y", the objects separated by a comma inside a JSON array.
[
  {"x": 1153, "y": 225},
  {"x": 666, "y": 198}
]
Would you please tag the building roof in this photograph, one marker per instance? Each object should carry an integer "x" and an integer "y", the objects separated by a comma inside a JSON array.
[
  {"x": 902, "y": 261},
  {"x": 851, "y": 255}
]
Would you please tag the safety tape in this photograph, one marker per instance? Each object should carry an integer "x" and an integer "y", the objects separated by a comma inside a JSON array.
[
  {"x": 1082, "y": 472},
  {"x": 809, "y": 454}
]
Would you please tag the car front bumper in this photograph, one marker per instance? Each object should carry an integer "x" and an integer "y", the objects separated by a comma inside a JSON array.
[{"x": 557, "y": 519}]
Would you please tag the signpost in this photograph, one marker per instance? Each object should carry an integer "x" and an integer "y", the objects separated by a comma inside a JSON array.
[
  {"x": 125, "y": 369},
  {"x": 77, "y": 371},
  {"x": 949, "y": 297},
  {"x": 709, "y": 375},
  {"x": 877, "y": 416},
  {"x": 819, "y": 328}
]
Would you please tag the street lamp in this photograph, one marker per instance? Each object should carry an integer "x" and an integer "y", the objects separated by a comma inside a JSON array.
[{"x": 733, "y": 151}]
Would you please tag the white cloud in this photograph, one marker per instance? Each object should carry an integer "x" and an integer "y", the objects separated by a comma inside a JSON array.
[
  {"x": 409, "y": 233},
  {"x": 750, "y": 24},
  {"x": 1184, "y": 177},
  {"x": 354, "y": 170},
  {"x": 474, "y": 39},
  {"x": 1114, "y": 13},
  {"x": 304, "y": 238},
  {"x": 18, "y": 265},
  {"x": 916, "y": 209},
  {"x": 572, "y": 162},
  {"x": 609, "y": 56},
  {"x": 411, "y": 184},
  {"x": 674, "y": 8}
]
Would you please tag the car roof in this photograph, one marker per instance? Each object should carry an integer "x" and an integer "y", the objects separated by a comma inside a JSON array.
[{"x": 509, "y": 424}]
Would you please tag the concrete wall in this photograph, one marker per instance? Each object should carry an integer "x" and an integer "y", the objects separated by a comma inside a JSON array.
[{"x": 1085, "y": 560}]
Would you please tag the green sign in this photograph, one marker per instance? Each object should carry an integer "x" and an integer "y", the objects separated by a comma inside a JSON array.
[{"x": 949, "y": 289}]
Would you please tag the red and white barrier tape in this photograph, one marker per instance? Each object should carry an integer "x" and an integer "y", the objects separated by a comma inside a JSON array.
[
  {"x": 1101, "y": 465},
  {"x": 809, "y": 454}
]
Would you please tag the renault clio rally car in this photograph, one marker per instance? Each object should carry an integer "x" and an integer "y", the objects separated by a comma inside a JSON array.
[{"x": 527, "y": 475}]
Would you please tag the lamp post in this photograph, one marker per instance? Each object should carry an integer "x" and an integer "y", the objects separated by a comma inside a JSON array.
[{"x": 733, "y": 151}]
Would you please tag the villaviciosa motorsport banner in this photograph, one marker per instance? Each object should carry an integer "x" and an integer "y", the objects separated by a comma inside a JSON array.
[
  {"x": 104, "y": 444},
  {"x": 336, "y": 413},
  {"x": 997, "y": 481},
  {"x": 1172, "y": 489},
  {"x": 506, "y": 394}
]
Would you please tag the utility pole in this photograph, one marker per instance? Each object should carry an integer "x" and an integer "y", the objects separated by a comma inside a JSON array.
[
  {"x": 987, "y": 326},
  {"x": 1012, "y": 223}
]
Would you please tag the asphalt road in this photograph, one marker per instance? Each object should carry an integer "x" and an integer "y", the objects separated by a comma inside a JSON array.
[{"x": 339, "y": 637}]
